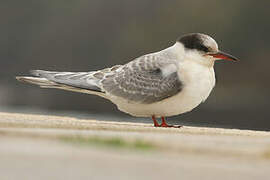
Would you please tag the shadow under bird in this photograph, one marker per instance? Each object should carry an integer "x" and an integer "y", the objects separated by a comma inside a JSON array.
[{"x": 161, "y": 84}]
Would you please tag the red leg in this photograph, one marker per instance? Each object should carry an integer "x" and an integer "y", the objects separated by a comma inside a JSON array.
[
  {"x": 155, "y": 121},
  {"x": 164, "y": 124}
]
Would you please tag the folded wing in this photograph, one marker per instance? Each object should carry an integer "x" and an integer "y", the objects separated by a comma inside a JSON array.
[{"x": 147, "y": 80}]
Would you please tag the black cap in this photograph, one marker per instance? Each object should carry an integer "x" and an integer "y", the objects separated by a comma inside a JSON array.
[{"x": 194, "y": 41}]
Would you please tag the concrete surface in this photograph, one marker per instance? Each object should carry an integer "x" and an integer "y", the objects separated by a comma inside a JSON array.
[{"x": 55, "y": 147}]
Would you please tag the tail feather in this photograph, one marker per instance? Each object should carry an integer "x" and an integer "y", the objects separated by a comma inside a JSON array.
[
  {"x": 36, "y": 81},
  {"x": 44, "y": 83},
  {"x": 80, "y": 82},
  {"x": 85, "y": 82}
]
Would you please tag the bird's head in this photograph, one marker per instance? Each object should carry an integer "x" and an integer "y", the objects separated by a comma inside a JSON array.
[{"x": 203, "y": 48}]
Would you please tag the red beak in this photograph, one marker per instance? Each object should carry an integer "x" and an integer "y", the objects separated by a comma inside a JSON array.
[{"x": 224, "y": 56}]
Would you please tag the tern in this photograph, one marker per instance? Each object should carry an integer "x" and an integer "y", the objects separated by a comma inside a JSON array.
[{"x": 160, "y": 84}]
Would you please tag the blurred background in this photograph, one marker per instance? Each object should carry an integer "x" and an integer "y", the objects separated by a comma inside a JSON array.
[{"x": 89, "y": 35}]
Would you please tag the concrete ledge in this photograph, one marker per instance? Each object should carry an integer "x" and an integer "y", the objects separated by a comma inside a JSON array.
[{"x": 229, "y": 146}]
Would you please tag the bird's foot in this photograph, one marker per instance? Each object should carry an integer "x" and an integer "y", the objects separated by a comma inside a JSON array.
[
  {"x": 168, "y": 125},
  {"x": 163, "y": 123}
]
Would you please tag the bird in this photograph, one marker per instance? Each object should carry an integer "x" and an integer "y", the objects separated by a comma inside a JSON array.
[{"x": 161, "y": 84}]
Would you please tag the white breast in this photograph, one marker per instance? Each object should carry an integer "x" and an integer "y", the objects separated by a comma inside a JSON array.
[{"x": 198, "y": 81}]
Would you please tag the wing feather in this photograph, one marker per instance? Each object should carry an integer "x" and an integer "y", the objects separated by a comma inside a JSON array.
[{"x": 147, "y": 79}]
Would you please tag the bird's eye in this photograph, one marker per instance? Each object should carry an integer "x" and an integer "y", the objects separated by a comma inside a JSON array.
[{"x": 203, "y": 48}]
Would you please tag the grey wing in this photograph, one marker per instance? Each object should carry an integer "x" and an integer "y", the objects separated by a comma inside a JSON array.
[
  {"x": 147, "y": 79},
  {"x": 82, "y": 80}
]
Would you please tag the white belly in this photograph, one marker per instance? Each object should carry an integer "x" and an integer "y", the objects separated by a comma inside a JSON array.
[{"x": 198, "y": 81}]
